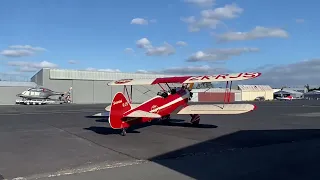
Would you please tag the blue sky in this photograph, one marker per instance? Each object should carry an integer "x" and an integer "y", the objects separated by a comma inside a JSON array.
[{"x": 94, "y": 35}]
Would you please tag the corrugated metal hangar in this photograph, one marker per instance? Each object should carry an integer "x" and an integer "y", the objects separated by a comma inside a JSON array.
[
  {"x": 9, "y": 90},
  {"x": 91, "y": 87}
]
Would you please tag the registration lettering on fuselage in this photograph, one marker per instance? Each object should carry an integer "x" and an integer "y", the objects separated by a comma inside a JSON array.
[{"x": 117, "y": 102}]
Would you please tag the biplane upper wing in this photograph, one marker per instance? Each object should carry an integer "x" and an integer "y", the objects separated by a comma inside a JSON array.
[
  {"x": 187, "y": 79},
  {"x": 217, "y": 109}
]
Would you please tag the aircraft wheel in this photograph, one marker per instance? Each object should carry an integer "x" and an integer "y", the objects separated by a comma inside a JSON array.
[
  {"x": 123, "y": 132},
  {"x": 167, "y": 117},
  {"x": 195, "y": 123}
]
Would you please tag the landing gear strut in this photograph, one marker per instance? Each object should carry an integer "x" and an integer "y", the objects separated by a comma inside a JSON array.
[
  {"x": 123, "y": 132},
  {"x": 166, "y": 119}
]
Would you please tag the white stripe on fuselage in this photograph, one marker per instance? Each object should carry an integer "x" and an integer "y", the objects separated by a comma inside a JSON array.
[{"x": 171, "y": 103}]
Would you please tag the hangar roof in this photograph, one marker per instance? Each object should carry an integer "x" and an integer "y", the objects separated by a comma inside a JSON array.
[
  {"x": 98, "y": 75},
  {"x": 221, "y": 90},
  {"x": 287, "y": 91},
  {"x": 255, "y": 88}
]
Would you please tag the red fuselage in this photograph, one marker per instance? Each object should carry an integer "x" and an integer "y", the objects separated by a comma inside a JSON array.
[{"x": 160, "y": 105}]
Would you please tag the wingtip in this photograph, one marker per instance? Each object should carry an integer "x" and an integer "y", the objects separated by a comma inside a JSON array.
[{"x": 254, "y": 107}]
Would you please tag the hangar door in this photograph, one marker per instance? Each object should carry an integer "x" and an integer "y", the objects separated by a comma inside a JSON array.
[{"x": 82, "y": 91}]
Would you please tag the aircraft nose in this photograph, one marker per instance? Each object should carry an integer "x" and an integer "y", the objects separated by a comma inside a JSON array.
[{"x": 18, "y": 95}]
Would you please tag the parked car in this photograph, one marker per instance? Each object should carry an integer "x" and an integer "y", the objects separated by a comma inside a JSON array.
[{"x": 260, "y": 98}]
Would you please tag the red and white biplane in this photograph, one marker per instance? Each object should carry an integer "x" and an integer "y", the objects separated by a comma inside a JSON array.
[{"x": 123, "y": 114}]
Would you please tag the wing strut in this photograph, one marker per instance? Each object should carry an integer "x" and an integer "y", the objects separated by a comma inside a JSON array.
[
  {"x": 125, "y": 90},
  {"x": 227, "y": 93},
  {"x": 168, "y": 86}
]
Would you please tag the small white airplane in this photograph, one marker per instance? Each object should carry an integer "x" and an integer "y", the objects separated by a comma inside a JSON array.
[
  {"x": 282, "y": 98},
  {"x": 287, "y": 98}
]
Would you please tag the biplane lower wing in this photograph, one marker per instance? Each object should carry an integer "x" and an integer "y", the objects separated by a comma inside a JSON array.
[{"x": 217, "y": 109}]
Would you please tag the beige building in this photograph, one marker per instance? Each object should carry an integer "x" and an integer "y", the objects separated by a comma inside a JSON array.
[{"x": 250, "y": 92}]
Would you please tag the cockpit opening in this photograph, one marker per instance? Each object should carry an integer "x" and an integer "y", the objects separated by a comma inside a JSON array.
[
  {"x": 163, "y": 94},
  {"x": 174, "y": 90}
]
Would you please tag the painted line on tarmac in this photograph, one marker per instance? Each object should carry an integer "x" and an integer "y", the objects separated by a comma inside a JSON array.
[
  {"x": 91, "y": 168},
  {"x": 311, "y": 106},
  {"x": 49, "y": 112}
]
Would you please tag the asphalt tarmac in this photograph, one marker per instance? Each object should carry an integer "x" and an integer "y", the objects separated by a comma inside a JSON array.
[{"x": 279, "y": 140}]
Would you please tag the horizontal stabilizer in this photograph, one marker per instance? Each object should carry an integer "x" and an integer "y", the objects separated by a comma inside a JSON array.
[
  {"x": 146, "y": 114},
  {"x": 217, "y": 109},
  {"x": 132, "y": 106}
]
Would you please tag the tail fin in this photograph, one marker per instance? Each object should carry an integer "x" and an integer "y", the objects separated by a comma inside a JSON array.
[{"x": 119, "y": 106}]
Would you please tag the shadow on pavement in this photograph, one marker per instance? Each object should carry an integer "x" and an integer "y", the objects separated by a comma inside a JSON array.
[
  {"x": 173, "y": 122},
  {"x": 245, "y": 154},
  {"x": 250, "y": 154}
]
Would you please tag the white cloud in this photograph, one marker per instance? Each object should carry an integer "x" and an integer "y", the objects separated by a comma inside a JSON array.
[
  {"x": 193, "y": 70},
  {"x": 109, "y": 70},
  {"x": 213, "y": 17},
  {"x": 139, "y": 21},
  {"x": 295, "y": 74},
  {"x": 25, "y": 66},
  {"x": 188, "y": 70},
  {"x": 197, "y": 25},
  {"x": 21, "y": 51},
  {"x": 16, "y": 53},
  {"x": 128, "y": 50},
  {"x": 90, "y": 69},
  {"x": 181, "y": 43},
  {"x": 165, "y": 50},
  {"x": 105, "y": 70},
  {"x": 27, "y": 47},
  {"x": 257, "y": 33},
  {"x": 300, "y": 20},
  {"x": 292, "y": 75},
  {"x": 229, "y": 11},
  {"x": 219, "y": 54},
  {"x": 143, "y": 43},
  {"x": 190, "y": 19},
  {"x": 72, "y": 62},
  {"x": 141, "y": 71},
  {"x": 201, "y": 3}
]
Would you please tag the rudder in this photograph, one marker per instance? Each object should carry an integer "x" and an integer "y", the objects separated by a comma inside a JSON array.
[{"x": 119, "y": 106}]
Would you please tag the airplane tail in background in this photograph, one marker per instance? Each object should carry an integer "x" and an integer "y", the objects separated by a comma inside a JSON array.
[{"x": 119, "y": 106}]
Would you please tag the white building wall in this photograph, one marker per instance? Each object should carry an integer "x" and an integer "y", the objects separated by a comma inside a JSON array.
[{"x": 250, "y": 92}]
